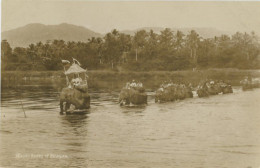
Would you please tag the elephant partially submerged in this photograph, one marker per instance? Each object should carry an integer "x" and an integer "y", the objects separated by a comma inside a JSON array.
[
  {"x": 76, "y": 92},
  {"x": 77, "y": 96},
  {"x": 249, "y": 83},
  {"x": 172, "y": 92},
  {"x": 213, "y": 88},
  {"x": 136, "y": 96}
]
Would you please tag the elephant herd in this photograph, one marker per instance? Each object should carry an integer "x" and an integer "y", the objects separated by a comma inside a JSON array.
[
  {"x": 134, "y": 92},
  {"x": 171, "y": 92}
]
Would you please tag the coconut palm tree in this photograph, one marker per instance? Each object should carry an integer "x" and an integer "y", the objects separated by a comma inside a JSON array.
[{"x": 192, "y": 40}]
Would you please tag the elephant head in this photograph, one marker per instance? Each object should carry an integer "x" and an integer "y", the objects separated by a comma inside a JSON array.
[
  {"x": 80, "y": 99},
  {"x": 124, "y": 96}
]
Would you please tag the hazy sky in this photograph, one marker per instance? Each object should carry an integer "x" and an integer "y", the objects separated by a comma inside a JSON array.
[{"x": 105, "y": 16}]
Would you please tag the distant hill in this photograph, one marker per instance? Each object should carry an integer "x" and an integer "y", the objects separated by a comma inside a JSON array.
[
  {"x": 33, "y": 33},
  {"x": 203, "y": 32}
]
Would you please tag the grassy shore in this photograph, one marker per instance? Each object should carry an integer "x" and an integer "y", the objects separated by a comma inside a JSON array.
[{"x": 150, "y": 78}]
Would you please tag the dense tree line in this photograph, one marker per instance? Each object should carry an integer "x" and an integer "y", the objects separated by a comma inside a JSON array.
[{"x": 144, "y": 51}]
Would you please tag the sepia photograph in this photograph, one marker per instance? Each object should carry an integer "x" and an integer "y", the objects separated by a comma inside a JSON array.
[{"x": 130, "y": 84}]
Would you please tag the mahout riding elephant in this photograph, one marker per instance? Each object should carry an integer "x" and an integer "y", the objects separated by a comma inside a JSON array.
[
  {"x": 172, "y": 92},
  {"x": 132, "y": 95},
  {"x": 213, "y": 88},
  {"x": 77, "y": 96}
]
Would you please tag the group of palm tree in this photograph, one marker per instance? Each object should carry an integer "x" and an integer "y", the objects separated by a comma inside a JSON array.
[{"x": 143, "y": 51}]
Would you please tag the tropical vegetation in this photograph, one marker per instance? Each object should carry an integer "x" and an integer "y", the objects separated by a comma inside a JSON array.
[{"x": 144, "y": 51}]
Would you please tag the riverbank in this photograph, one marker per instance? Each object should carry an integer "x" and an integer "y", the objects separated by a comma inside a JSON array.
[{"x": 150, "y": 79}]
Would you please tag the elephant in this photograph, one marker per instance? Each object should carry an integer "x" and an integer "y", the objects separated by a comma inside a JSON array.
[
  {"x": 246, "y": 84},
  {"x": 250, "y": 84},
  {"x": 214, "y": 88},
  {"x": 77, "y": 96},
  {"x": 135, "y": 96},
  {"x": 164, "y": 95},
  {"x": 226, "y": 89},
  {"x": 173, "y": 92},
  {"x": 247, "y": 87}
]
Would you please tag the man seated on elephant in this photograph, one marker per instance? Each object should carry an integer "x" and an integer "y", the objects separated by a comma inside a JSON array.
[
  {"x": 127, "y": 86},
  {"x": 77, "y": 81},
  {"x": 133, "y": 84},
  {"x": 139, "y": 84}
]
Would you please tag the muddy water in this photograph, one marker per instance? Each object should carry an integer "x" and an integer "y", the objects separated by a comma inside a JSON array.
[{"x": 219, "y": 131}]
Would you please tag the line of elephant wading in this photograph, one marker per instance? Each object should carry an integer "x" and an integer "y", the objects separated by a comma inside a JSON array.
[
  {"x": 135, "y": 96},
  {"x": 207, "y": 89},
  {"x": 77, "y": 96},
  {"x": 173, "y": 93}
]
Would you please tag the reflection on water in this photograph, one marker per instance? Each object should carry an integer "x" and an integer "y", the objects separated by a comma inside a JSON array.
[{"x": 219, "y": 131}]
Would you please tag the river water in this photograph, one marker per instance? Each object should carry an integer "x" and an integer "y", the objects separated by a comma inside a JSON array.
[{"x": 219, "y": 131}]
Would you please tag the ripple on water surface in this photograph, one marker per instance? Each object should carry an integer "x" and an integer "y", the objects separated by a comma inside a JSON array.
[{"x": 219, "y": 131}]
